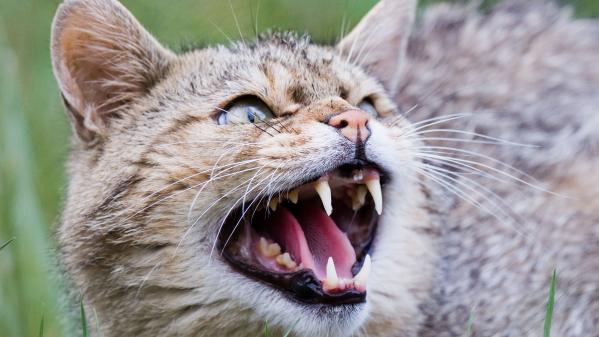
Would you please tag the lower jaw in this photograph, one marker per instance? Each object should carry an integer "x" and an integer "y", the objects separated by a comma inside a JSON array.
[{"x": 302, "y": 285}]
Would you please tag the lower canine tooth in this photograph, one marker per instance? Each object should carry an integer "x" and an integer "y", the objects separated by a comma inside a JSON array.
[
  {"x": 374, "y": 187},
  {"x": 286, "y": 261},
  {"x": 332, "y": 281},
  {"x": 324, "y": 192}
]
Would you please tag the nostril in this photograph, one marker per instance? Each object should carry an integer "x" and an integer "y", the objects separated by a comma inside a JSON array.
[{"x": 342, "y": 124}]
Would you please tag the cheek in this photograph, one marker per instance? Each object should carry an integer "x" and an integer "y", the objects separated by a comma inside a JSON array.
[{"x": 388, "y": 147}]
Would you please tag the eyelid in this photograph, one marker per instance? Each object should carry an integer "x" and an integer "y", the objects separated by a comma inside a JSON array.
[{"x": 244, "y": 105}]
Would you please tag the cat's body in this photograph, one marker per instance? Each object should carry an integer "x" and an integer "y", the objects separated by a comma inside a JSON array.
[{"x": 525, "y": 73}]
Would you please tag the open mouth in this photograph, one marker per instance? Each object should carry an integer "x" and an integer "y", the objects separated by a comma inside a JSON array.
[{"x": 312, "y": 241}]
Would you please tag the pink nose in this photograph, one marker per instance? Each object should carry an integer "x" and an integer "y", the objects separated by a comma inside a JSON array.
[{"x": 352, "y": 124}]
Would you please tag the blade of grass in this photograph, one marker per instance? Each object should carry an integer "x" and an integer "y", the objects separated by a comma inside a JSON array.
[
  {"x": 550, "y": 303},
  {"x": 7, "y": 243},
  {"x": 98, "y": 331},
  {"x": 265, "y": 328},
  {"x": 83, "y": 320},
  {"x": 41, "y": 334},
  {"x": 291, "y": 329},
  {"x": 469, "y": 324}
]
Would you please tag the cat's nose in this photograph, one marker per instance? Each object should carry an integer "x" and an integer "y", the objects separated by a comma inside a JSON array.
[{"x": 352, "y": 124}]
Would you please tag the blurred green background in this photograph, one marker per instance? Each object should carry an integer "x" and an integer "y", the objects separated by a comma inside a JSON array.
[{"x": 34, "y": 132}]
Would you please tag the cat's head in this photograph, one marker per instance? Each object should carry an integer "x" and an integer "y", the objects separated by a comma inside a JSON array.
[{"x": 221, "y": 188}]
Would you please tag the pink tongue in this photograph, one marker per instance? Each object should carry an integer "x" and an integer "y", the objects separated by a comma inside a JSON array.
[
  {"x": 314, "y": 241},
  {"x": 289, "y": 234},
  {"x": 325, "y": 240}
]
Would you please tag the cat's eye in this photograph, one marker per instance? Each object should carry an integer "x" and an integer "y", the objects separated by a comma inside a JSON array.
[
  {"x": 245, "y": 110},
  {"x": 367, "y": 106}
]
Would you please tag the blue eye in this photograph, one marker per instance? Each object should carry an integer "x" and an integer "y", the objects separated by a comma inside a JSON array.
[
  {"x": 245, "y": 110},
  {"x": 367, "y": 106},
  {"x": 250, "y": 114}
]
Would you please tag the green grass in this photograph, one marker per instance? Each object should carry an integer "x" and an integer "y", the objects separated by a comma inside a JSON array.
[
  {"x": 7, "y": 243},
  {"x": 550, "y": 303},
  {"x": 469, "y": 324},
  {"x": 34, "y": 132},
  {"x": 41, "y": 333},
  {"x": 83, "y": 319}
]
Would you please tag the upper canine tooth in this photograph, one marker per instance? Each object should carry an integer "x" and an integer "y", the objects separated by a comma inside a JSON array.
[
  {"x": 324, "y": 191},
  {"x": 374, "y": 187},
  {"x": 332, "y": 281},
  {"x": 359, "y": 198},
  {"x": 362, "y": 276},
  {"x": 273, "y": 203},
  {"x": 293, "y": 196}
]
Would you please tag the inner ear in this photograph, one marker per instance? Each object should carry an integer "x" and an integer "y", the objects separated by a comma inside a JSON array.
[
  {"x": 380, "y": 40},
  {"x": 102, "y": 59}
]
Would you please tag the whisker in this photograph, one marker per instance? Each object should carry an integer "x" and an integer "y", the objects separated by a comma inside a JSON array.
[
  {"x": 256, "y": 21},
  {"x": 213, "y": 177},
  {"x": 466, "y": 197},
  {"x": 500, "y": 163},
  {"x": 231, "y": 42},
  {"x": 211, "y": 206},
  {"x": 169, "y": 196},
  {"x": 228, "y": 141},
  {"x": 203, "y": 183},
  {"x": 236, "y": 22},
  {"x": 272, "y": 177},
  {"x": 434, "y": 121},
  {"x": 476, "y": 189},
  {"x": 476, "y": 134},
  {"x": 461, "y": 166},
  {"x": 470, "y": 141}
]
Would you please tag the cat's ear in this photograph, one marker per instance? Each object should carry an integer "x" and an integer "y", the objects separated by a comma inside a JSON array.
[
  {"x": 102, "y": 58},
  {"x": 380, "y": 40}
]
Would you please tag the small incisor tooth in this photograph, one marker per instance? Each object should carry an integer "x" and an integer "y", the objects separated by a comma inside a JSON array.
[
  {"x": 293, "y": 196},
  {"x": 331, "y": 281},
  {"x": 324, "y": 192},
  {"x": 286, "y": 261},
  {"x": 273, "y": 203},
  {"x": 358, "y": 175},
  {"x": 374, "y": 187},
  {"x": 359, "y": 198},
  {"x": 362, "y": 276}
]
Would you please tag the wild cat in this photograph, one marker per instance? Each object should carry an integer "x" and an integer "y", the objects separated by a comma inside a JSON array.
[{"x": 419, "y": 178}]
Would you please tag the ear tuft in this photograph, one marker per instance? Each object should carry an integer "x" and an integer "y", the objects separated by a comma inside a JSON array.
[
  {"x": 380, "y": 40},
  {"x": 102, "y": 59}
]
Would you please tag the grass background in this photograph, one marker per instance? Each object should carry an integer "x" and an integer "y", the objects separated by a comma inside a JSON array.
[{"x": 34, "y": 132}]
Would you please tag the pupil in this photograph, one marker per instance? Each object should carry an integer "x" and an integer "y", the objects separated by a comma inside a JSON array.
[{"x": 250, "y": 114}]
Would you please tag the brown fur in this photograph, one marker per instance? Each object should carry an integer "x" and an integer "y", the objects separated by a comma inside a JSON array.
[{"x": 146, "y": 143}]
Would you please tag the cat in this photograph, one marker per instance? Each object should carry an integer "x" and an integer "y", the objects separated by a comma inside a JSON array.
[{"x": 418, "y": 178}]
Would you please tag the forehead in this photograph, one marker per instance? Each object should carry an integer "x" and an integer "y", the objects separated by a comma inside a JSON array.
[{"x": 281, "y": 69}]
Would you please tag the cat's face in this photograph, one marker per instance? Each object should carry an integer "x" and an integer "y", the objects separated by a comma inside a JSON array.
[{"x": 218, "y": 189}]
